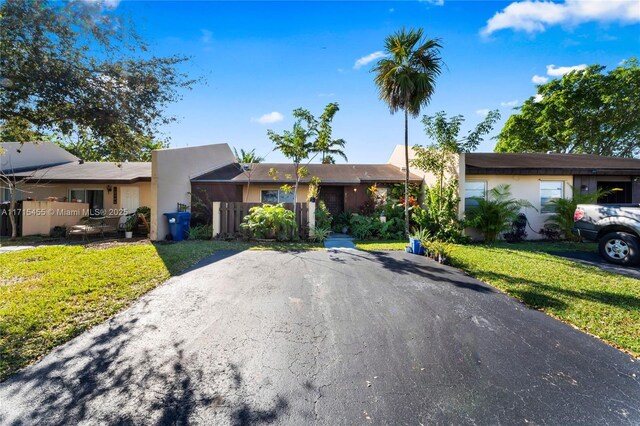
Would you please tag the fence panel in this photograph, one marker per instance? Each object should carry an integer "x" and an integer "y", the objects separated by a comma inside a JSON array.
[{"x": 232, "y": 214}]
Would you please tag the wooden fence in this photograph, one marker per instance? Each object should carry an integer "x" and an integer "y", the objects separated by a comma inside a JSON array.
[{"x": 231, "y": 215}]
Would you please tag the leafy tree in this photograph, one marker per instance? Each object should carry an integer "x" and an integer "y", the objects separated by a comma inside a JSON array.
[
  {"x": 441, "y": 159},
  {"x": 80, "y": 71},
  {"x": 406, "y": 79},
  {"x": 496, "y": 213},
  {"x": 329, "y": 148},
  {"x": 584, "y": 112},
  {"x": 296, "y": 146},
  {"x": 248, "y": 157},
  {"x": 309, "y": 137},
  {"x": 92, "y": 150}
]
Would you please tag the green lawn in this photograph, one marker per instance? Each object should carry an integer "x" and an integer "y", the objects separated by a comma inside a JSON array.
[
  {"x": 604, "y": 304},
  {"x": 50, "y": 294}
]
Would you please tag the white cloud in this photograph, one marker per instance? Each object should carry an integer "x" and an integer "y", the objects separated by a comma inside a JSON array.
[
  {"x": 272, "y": 117},
  {"x": 482, "y": 112},
  {"x": 509, "y": 103},
  {"x": 622, "y": 62},
  {"x": 392, "y": 10},
  {"x": 207, "y": 36},
  {"x": 102, "y": 4},
  {"x": 554, "y": 71},
  {"x": 367, "y": 59},
  {"x": 433, "y": 2},
  {"x": 539, "y": 79},
  {"x": 536, "y": 16},
  {"x": 537, "y": 98}
]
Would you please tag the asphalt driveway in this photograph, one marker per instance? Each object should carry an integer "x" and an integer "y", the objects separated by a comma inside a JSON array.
[{"x": 327, "y": 337}]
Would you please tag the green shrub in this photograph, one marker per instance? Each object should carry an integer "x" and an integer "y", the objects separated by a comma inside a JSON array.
[
  {"x": 59, "y": 231},
  {"x": 270, "y": 221},
  {"x": 323, "y": 216},
  {"x": 564, "y": 208},
  {"x": 493, "y": 215},
  {"x": 201, "y": 232},
  {"x": 362, "y": 227},
  {"x": 392, "y": 229},
  {"x": 340, "y": 221},
  {"x": 440, "y": 214},
  {"x": 320, "y": 233}
]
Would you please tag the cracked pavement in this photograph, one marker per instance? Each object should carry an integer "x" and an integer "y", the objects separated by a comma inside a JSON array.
[{"x": 326, "y": 337}]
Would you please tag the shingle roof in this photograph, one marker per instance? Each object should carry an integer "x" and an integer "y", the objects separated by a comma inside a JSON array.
[
  {"x": 328, "y": 173},
  {"x": 95, "y": 172},
  {"x": 538, "y": 163}
]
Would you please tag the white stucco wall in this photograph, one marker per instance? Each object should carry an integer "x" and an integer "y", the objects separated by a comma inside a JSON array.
[
  {"x": 171, "y": 173},
  {"x": 525, "y": 187}
]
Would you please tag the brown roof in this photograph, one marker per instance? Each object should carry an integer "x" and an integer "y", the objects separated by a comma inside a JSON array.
[
  {"x": 94, "y": 172},
  {"x": 328, "y": 173},
  {"x": 538, "y": 163}
]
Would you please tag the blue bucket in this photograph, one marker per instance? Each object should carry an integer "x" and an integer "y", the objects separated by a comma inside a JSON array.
[{"x": 416, "y": 247}]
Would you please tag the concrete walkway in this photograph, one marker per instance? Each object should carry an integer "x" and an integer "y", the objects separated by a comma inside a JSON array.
[
  {"x": 9, "y": 249},
  {"x": 339, "y": 241}
]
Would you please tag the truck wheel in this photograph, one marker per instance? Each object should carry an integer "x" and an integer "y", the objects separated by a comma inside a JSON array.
[{"x": 620, "y": 248}]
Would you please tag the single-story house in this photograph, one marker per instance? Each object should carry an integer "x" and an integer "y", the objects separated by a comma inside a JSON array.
[
  {"x": 175, "y": 176},
  {"x": 343, "y": 187},
  {"x": 539, "y": 178},
  {"x": 50, "y": 179}
]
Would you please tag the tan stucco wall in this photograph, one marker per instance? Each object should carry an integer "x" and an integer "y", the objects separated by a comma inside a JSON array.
[
  {"x": 37, "y": 224},
  {"x": 40, "y": 217},
  {"x": 171, "y": 173},
  {"x": 255, "y": 188},
  {"x": 42, "y": 192},
  {"x": 527, "y": 188}
]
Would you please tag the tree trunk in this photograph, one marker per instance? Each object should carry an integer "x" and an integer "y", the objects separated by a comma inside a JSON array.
[
  {"x": 406, "y": 177},
  {"x": 295, "y": 200},
  {"x": 12, "y": 214}
]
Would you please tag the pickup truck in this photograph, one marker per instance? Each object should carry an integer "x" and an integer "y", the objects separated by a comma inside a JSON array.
[{"x": 616, "y": 228}]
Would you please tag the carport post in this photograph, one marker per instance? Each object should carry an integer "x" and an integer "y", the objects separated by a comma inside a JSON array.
[{"x": 216, "y": 219}]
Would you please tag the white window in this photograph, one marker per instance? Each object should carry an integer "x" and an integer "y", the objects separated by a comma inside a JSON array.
[
  {"x": 550, "y": 190},
  {"x": 274, "y": 196},
  {"x": 78, "y": 195},
  {"x": 5, "y": 194},
  {"x": 474, "y": 189}
]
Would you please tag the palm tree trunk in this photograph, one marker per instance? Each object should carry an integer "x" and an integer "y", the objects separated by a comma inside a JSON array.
[{"x": 406, "y": 177}]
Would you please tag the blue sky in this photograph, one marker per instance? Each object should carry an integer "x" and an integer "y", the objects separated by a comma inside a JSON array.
[{"x": 260, "y": 60}]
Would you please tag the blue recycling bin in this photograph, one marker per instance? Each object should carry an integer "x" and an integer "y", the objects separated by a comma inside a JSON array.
[
  {"x": 179, "y": 225},
  {"x": 416, "y": 246}
]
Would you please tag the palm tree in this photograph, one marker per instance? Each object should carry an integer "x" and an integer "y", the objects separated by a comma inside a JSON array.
[
  {"x": 406, "y": 79},
  {"x": 497, "y": 212},
  {"x": 249, "y": 157},
  {"x": 332, "y": 149}
]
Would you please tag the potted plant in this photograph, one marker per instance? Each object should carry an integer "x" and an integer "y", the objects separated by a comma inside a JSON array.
[
  {"x": 415, "y": 240},
  {"x": 130, "y": 225}
]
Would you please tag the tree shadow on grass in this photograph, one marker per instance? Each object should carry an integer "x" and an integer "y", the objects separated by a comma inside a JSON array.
[
  {"x": 542, "y": 295},
  {"x": 103, "y": 378}
]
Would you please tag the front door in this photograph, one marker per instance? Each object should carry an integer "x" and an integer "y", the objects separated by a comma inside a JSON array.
[
  {"x": 333, "y": 197},
  {"x": 129, "y": 198},
  {"x": 95, "y": 199}
]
